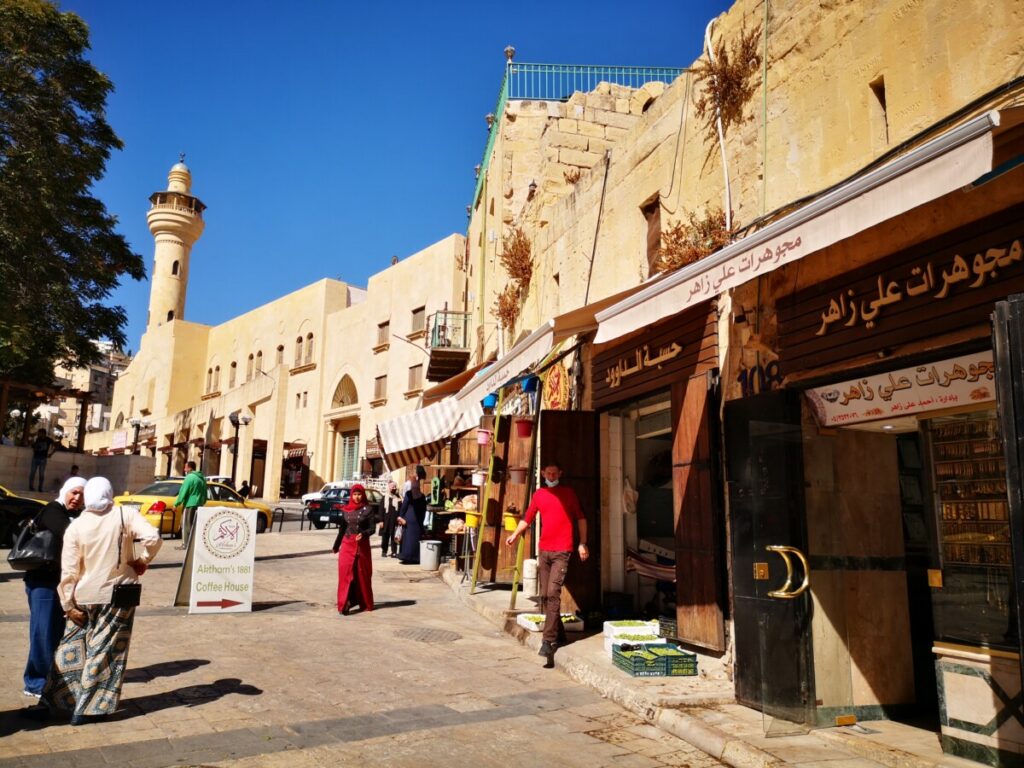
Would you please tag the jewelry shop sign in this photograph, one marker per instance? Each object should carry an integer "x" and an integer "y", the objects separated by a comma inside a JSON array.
[
  {"x": 960, "y": 381},
  {"x": 222, "y": 563}
]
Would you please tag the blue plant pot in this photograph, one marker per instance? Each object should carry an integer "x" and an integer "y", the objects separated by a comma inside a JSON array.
[
  {"x": 530, "y": 384},
  {"x": 490, "y": 401}
]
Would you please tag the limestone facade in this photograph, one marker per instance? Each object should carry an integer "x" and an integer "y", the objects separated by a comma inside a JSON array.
[{"x": 306, "y": 369}]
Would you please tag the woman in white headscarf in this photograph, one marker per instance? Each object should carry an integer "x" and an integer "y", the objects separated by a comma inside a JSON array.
[
  {"x": 107, "y": 545},
  {"x": 46, "y": 615}
]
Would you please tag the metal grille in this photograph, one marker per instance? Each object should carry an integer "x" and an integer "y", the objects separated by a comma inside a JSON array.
[{"x": 426, "y": 635}]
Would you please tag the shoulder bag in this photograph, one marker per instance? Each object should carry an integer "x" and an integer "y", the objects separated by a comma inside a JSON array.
[
  {"x": 125, "y": 595},
  {"x": 34, "y": 547}
]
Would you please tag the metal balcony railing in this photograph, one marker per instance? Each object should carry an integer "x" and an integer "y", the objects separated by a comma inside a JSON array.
[
  {"x": 557, "y": 82},
  {"x": 448, "y": 330}
]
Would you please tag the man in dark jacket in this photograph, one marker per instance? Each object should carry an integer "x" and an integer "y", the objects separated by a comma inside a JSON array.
[
  {"x": 42, "y": 449},
  {"x": 191, "y": 496}
]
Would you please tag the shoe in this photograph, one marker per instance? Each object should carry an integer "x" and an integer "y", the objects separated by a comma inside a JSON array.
[
  {"x": 27, "y": 692},
  {"x": 345, "y": 609},
  {"x": 546, "y": 649}
]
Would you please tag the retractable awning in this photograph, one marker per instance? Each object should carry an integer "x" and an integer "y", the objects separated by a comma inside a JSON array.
[
  {"x": 412, "y": 437},
  {"x": 951, "y": 161}
]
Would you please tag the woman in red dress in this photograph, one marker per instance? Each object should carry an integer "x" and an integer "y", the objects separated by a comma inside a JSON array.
[{"x": 355, "y": 566}]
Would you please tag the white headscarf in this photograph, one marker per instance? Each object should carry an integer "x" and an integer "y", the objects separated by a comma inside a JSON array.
[
  {"x": 99, "y": 495},
  {"x": 70, "y": 484}
]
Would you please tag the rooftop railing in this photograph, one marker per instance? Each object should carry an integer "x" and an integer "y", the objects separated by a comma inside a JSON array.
[{"x": 557, "y": 82}]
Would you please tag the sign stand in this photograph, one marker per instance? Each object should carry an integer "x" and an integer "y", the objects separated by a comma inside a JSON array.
[{"x": 219, "y": 560}]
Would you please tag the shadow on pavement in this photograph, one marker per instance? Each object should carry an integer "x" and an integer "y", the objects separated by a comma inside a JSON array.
[
  {"x": 267, "y": 605},
  {"x": 163, "y": 669},
  {"x": 394, "y": 604},
  {"x": 189, "y": 696}
]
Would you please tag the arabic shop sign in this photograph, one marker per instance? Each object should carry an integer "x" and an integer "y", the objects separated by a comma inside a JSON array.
[
  {"x": 641, "y": 358},
  {"x": 935, "y": 280},
  {"x": 960, "y": 381}
]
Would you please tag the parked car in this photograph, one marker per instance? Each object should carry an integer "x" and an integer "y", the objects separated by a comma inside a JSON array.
[
  {"x": 14, "y": 509},
  {"x": 166, "y": 491},
  {"x": 328, "y": 510},
  {"x": 317, "y": 495},
  {"x": 222, "y": 479}
]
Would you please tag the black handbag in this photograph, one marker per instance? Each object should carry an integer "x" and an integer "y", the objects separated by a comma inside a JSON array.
[
  {"x": 34, "y": 547},
  {"x": 125, "y": 595}
]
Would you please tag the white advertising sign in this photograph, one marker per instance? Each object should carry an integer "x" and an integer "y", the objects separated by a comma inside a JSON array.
[
  {"x": 951, "y": 383},
  {"x": 223, "y": 558},
  {"x": 118, "y": 441}
]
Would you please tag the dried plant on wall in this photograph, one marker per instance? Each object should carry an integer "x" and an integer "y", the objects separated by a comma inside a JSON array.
[
  {"x": 688, "y": 241},
  {"x": 729, "y": 83},
  {"x": 507, "y": 307},
  {"x": 572, "y": 175},
  {"x": 517, "y": 257}
]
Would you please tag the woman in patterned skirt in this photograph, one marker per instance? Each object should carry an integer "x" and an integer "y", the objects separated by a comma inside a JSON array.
[
  {"x": 104, "y": 546},
  {"x": 355, "y": 566}
]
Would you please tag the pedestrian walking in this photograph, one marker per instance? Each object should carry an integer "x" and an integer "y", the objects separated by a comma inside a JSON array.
[
  {"x": 355, "y": 565},
  {"x": 392, "y": 501},
  {"x": 244, "y": 490},
  {"x": 105, "y": 548},
  {"x": 45, "y": 613},
  {"x": 410, "y": 518},
  {"x": 191, "y": 495},
  {"x": 563, "y": 528},
  {"x": 42, "y": 449}
]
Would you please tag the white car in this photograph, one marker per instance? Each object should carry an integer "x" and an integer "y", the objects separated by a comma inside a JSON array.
[{"x": 317, "y": 495}]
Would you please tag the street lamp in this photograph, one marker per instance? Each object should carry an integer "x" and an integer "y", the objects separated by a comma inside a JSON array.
[
  {"x": 236, "y": 421},
  {"x": 15, "y": 414}
]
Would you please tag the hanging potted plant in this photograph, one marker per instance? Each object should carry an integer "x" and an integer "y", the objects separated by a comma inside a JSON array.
[
  {"x": 517, "y": 474},
  {"x": 524, "y": 425}
]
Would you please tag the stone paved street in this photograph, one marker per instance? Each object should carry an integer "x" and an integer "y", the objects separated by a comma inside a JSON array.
[{"x": 421, "y": 681}]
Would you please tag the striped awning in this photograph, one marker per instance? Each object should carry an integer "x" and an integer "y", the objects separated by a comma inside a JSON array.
[{"x": 413, "y": 437}]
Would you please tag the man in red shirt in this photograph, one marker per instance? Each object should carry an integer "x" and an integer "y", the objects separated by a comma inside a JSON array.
[{"x": 560, "y": 518}]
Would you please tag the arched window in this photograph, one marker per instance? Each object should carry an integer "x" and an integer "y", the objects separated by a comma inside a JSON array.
[
  {"x": 119, "y": 421},
  {"x": 170, "y": 316},
  {"x": 298, "y": 352},
  {"x": 345, "y": 393},
  {"x": 259, "y": 361},
  {"x": 309, "y": 348},
  {"x": 174, "y": 268},
  {"x": 280, "y": 354},
  {"x": 209, "y": 380},
  {"x": 248, "y": 368},
  {"x": 216, "y": 379},
  {"x": 232, "y": 374}
]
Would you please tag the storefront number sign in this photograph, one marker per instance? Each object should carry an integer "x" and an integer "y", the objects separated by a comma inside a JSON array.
[
  {"x": 960, "y": 381},
  {"x": 222, "y": 560},
  {"x": 760, "y": 378}
]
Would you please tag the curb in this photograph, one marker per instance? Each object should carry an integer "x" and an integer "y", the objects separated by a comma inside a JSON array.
[{"x": 729, "y": 750}]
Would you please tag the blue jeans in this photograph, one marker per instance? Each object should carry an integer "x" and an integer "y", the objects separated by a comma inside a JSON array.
[
  {"x": 38, "y": 463},
  {"x": 45, "y": 630}
]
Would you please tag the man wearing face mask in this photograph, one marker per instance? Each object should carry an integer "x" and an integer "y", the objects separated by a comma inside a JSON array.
[{"x": 561, "y": 517}]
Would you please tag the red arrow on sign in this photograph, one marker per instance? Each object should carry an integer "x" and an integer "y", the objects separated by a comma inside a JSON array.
[{"x": 222, "y": 603}]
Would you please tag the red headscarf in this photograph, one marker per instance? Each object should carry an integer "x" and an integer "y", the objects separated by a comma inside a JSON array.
[{"x": 350, "y": 505}]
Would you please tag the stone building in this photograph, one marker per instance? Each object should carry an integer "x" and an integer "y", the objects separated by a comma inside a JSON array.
[
  {"x": 829, "y": 561},
  {"x": 306, "y": 376}
]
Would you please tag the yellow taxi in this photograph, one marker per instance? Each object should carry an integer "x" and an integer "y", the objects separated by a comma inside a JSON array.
[{"x": 156, "y": 503}]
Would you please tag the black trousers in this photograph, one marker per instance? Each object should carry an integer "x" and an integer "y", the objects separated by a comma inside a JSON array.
[{"x": 387, "y": 531}]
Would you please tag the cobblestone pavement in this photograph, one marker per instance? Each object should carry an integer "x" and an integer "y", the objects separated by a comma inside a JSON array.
[{"x": 421, "y": 681}]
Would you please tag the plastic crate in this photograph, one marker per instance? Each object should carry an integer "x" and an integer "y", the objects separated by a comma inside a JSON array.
[
  {"x": 667, "y": 627},
  {"x": 654, "y": 661}
]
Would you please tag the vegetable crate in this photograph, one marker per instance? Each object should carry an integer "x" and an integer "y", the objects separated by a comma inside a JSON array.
[
  {"x": 667, "y": 627},
  {"x": 535, "y": 622},
  {"x": 654, "y": 661},
  {"x": 630, "y": 627}
]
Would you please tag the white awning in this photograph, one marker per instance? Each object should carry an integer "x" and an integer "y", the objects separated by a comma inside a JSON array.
[
  {"x": 947, "y": 163},
  {"x": 522, "y": 356},
  {"x": 412, "y": 437}
]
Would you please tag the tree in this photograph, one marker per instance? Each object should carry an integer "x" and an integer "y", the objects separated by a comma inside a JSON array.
[{"x": 60, "y": 256}]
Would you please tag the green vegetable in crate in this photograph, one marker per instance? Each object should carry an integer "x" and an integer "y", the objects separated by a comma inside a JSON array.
[
  {"x": 638, "y": 638},
  {"x": 629, "y": 623}
]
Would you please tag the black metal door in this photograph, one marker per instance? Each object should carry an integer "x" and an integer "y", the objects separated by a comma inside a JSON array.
[
  {"x": 1008, "y": 348},
  {"x": 764, "y": 457}
]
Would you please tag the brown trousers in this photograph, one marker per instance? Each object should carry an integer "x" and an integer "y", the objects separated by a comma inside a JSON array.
[{"x": 551, "y": 570}]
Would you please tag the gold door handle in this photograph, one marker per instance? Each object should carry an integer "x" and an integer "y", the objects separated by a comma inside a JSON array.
[{"x": 784, "y": 592}]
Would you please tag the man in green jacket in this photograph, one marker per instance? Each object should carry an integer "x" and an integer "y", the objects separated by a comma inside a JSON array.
[{"x": 191, "y": 495}]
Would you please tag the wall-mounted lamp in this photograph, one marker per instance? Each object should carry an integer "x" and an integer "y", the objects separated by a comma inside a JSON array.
[
  {"x": 489, "y": 117},
  {"x": 531, "y": 190},
  {"x": 509, "y": 52},
  {"x": 476, "y": 171},
  {"x": 469, "y": 211}
]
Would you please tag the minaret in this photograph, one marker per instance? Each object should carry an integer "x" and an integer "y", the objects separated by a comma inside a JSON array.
[{"x": 176, "y": 220}]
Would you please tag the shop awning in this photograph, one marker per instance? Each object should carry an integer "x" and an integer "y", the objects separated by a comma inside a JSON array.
[
  {"x": 412, "y": 437},
  {"x": 521, "y": 357},
  {"x": 951, "y": 161}
]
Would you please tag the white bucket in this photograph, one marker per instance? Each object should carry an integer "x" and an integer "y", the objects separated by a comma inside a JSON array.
[
  {"x": 430, "y": 554},
  {"x": 529, "y": 569}
]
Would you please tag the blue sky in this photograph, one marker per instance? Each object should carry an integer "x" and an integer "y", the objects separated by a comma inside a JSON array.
[{"x": 326, "y": 137}]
